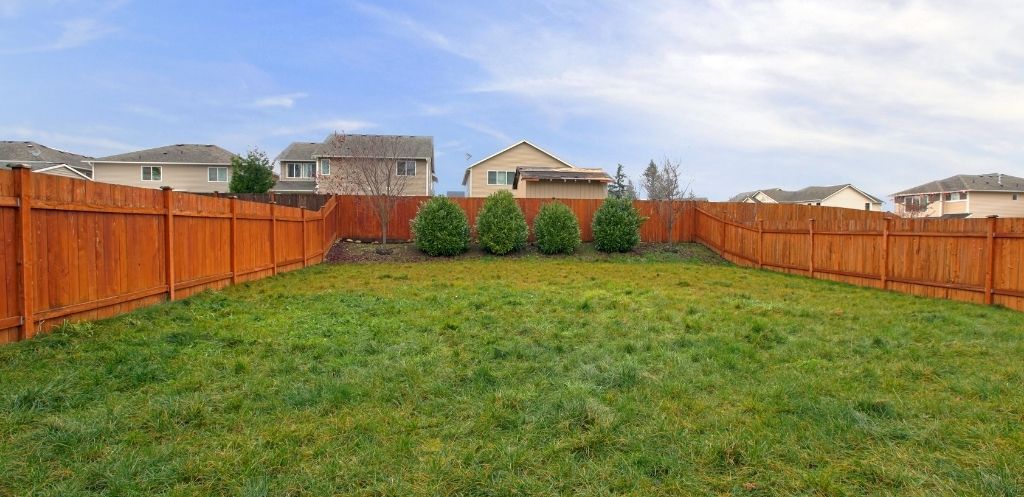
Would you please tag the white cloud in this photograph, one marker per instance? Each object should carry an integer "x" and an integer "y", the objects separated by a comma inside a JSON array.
[
  {"x": 920, "y": 82},
  {"x": 286, "y": 101},
  {"x": 322, "y": 126}
]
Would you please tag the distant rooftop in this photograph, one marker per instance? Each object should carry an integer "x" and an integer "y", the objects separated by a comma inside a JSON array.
[
  {"x": 181, "y": 153},
  {"x": 992, "y": 182},
  {"x": 804, "y": 195},
  {"x": 35, "y": 155}
]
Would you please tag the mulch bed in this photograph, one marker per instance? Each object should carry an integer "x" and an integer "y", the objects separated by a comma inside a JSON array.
[{"x": 347, "y": 251}]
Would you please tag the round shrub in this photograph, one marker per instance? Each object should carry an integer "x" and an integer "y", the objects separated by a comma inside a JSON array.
[
  {"x": 440, "y": 228},
  {"x": 500, "y": 225},
  {"x": 556, "y": 229},
  {"x": 617, "y": 225}
]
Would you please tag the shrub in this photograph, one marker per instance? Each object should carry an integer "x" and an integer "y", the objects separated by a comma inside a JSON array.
[
  {"x": 617, "y": 225},
  {"x": 556, "y": 229},
  {"x": 501, "y": 225},
  {"x": 440, "y": 228}
]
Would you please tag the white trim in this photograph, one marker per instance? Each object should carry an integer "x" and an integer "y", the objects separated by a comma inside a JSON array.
[
  {"x": 142, "y": 174},
  {"x": 545, "y": 152},
  {"x": 858, "y": 190},
  {"x": 488, "y": 176},
  {"x": 320, "y": 165},
  {"x": 429, "y": 176},
  {"x": 208, "y": 180},
  {"x": 76, "y": 171}
]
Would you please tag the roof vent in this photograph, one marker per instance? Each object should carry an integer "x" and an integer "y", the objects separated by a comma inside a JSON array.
[{"x": 1000, "y": 179}]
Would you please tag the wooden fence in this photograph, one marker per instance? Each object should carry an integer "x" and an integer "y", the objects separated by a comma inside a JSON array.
[
  {"x": 73, "y": 249},
  {"x": 359, "y": 220},
  {"x": 974, "y": 260},
  {"x": 310, "y": 201}
]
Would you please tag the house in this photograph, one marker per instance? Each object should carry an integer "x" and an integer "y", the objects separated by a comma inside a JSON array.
[
  {"x": 964, "y": 196},
  {"x": 184, "y": 167},
  {"x": 846, "y": 196},
  {"x": 43, "y": 159},
  {"x": 297, "y": 168},
  {"x": 530, "y": 172},
  {"x": 308, "y": 167}
]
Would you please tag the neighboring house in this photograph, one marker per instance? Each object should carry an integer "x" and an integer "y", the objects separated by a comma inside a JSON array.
[
  {"x": 298, "y": 171},
  {"x": 963, "y": 196},
  {"x": 846, "y": 196},
  {"x": 304, "y": 166},
  {"x": 43, "y": 159},
  {"x": 184, "y": 167},
  {"x": 530, "y": 172}
]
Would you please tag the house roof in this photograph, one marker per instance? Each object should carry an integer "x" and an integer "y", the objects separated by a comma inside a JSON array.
[
  {"x": 181, "y": 153},
  {"x": 566, "y": 174},
  {"x": 38, "y": 156},
  {"x": 809, "y": 194},
  {"x": 991, "y": 182},
  {"x": 465, "y": 177},
  {"x": 409, "y": 147},
  {"x": 298, "y": 151}
]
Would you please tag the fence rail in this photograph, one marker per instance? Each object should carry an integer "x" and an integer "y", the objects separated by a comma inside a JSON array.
[{"x": 72, "y": 249}]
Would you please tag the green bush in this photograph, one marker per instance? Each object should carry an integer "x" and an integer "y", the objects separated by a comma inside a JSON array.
[
  {"x": 500, "y": 225},
  {"x": 617, "y": 225},
  {"x": 556, "y": 229},
  {"x": 440, "y": 228}
]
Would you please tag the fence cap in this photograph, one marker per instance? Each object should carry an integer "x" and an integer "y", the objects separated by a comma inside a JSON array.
[
  {"x": 993, "y": 216},
  {"x": 166, "y": 188},
  {"x": 19, "y": 166}
]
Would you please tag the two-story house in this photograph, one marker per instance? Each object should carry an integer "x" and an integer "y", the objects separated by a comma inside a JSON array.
[
  {"x": 184, "y": 167},
  {"x": 310, "y": 167},
  {"x": 964, "y": 196},
  {"x": 530, "y": 172}
]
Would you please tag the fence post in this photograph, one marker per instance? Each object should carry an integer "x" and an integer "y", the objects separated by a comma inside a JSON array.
[
  {"x": 885, "y": 254},
  {"x": 722, "y": 245},
  {"x": 169, "y": 240},
  {"x": 234, "y": 239},
  {"x": 810, "y": 232},
  {"x": 760, "y": 243},
  {"x": 273, "y": 232},
  {"x": 303, "y": 210},
  {"x": 26, "y": 254},
  {"x": 990, "y": 268}
]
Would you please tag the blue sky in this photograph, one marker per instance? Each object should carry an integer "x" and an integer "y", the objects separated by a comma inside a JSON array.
[{"x": 883, "y": 94}]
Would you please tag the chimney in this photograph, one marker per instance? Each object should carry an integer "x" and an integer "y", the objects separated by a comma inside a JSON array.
[{"x": 1000, "y": 179}]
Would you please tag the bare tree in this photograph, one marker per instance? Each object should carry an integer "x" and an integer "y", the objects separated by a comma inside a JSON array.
[
  {"x": 662, "y": 184},
  {"x": 372, "y": 166},
  {"x": 914, "y": 206}
]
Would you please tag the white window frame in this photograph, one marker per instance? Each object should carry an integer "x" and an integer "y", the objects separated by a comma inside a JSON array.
[
  {"x": 325, "y": 167},
  {"x": 301, "y": 167},
  {"x": 142, "y": 173},
  {"x": 509, "y": 179},
  {"x": 218, "y": 180},
  {"x": 400, "y": 171}
]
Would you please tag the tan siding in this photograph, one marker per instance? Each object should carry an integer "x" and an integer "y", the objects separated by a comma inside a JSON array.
[
  {"x": 850, "y": 199},
  {"x": 952, "y": 206},
  {"x": 62, "y": 171},
  {"x": 984, "y": 204},
  {"x": 183, "y": 177},
  {"x": 521, "y": 155},
  {"x": 560, "y": 189},
  {"x": 416, "y": 185},
  {"x": 764, "y": 198}
]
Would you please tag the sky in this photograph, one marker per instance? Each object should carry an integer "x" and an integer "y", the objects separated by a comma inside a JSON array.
[{"x": 745, "y": 94}]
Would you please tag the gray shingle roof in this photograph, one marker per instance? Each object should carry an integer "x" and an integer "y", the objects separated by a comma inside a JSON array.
[
  {"x": 562, "y": 174},
  {"x": 37, "y": 156},
  {"x": 181, "y": 153},
  {"x": 809, "y": 194},
  {"x": 408, "y": 147},
  {"x": 298, "y": 151},
  {"x": 969, "y": 182}
]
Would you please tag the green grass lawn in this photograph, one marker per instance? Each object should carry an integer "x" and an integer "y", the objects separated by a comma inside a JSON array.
[{"x": 653, "y": 375}]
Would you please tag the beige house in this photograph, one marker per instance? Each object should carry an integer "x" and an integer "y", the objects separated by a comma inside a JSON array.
[
  {"x": 530, "y": 172},
  {"x": 846, "y": 196},
  {"x": 964, "y": 196},
  {"x": 190, "y": 168},
  {"x": 307, "y": 167},
  {"x": 43, "y": 159}
]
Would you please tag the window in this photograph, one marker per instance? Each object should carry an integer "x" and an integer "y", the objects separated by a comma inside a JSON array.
[
  {"x": 867, "y": 206},
  {"x": 406, "y": 168},
  {"x": 325, "y": 167},
  {"x": 500, "y": 177},
  {"x": 956, "y": 196},
  {"x": 152, "y": 173},
  {"x": 217, "y": 174},
  {"x": 300, "y": 170},
  {"x": 1015, "y": 196}
]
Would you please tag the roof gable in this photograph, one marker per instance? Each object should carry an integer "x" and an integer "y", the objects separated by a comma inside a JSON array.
[
  {"x": 509, "y": 149},
  {"x": 808, "y": 194},
  {"x": 298, "y": 152}
]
